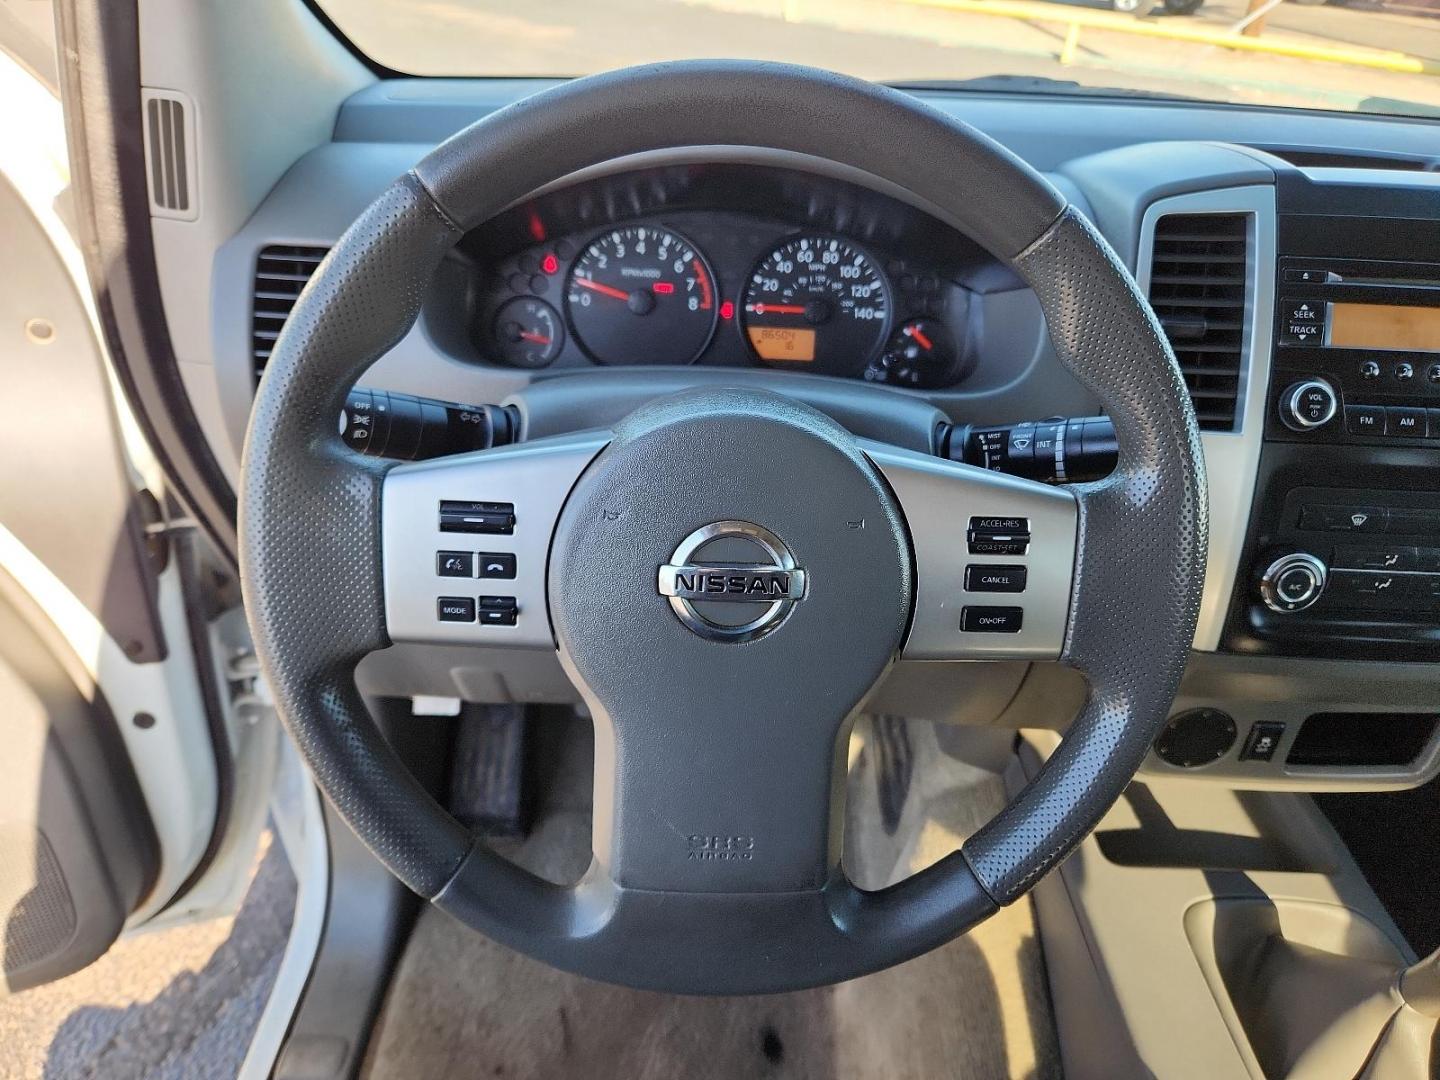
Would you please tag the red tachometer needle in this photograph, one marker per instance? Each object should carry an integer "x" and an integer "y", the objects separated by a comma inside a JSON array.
[
  {"x": 777, "y": 309},
  {"x": 603, "y": 290},
  {"x": 538, "y": 339}
]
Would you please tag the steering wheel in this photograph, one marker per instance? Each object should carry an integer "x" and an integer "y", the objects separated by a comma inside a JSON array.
[{"x": 726, "y": 574}]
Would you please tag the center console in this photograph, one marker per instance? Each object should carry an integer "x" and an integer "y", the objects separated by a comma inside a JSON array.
[{"x": 1343, "y": 547}]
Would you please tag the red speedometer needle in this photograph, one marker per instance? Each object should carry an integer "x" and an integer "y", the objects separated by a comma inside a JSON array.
[
  {"x": 777, "y": 309},
  {"x": 919, "y": 335},
  {"x": 603, "y": 290},
  {"x": 538, "y": 339}
]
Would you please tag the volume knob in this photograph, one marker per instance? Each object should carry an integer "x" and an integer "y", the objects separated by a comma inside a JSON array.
[
  {"x": 1308, "y": 404},
  {"x": 1293, "y": 582}
]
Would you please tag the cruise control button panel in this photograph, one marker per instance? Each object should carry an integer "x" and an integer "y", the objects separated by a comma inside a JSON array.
[{"x": 1001, "y": 590}]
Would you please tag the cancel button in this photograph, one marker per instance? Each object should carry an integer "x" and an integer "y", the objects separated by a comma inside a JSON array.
[{"x": 982, "y": 578}]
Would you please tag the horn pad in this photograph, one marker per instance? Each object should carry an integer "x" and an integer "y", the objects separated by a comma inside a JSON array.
[{"x": 728, "y": 581}]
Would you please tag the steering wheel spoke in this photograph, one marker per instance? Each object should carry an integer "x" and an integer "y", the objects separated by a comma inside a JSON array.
[
  {"x": 466, "y": 539},
  {"x": 994, "y": 558}
]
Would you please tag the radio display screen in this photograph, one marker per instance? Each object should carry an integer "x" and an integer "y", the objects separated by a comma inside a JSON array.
[{"x": 1384, "y": 326}]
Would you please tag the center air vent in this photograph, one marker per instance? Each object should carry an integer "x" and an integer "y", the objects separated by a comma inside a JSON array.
[
  {"x": 1197, "y": 287},
  {"x": 280, "y": 273}
]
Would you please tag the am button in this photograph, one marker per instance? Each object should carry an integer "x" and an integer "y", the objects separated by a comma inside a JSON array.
[{"x": 1000, "y": 579}]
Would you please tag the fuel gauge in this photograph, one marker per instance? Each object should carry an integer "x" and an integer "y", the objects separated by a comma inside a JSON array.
[
  {"x": 528, "y": 333},
  {"x": 921, "y": 355}
]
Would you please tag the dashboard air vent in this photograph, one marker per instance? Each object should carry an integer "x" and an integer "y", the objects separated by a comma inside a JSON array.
[
  {"x": 281, "y": 271},
  {"x": 1197, "y": 287}
]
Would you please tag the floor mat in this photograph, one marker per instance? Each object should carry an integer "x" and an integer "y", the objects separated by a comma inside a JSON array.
[
  {"x": 174, "y": 1004},
  {"x": 977, "y": 1008},
  {"x": 1383, "y": 830}
]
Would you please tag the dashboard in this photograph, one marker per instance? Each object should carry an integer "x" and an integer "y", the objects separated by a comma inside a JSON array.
[
  {"x": 732, "y": 266},
  {"x": 727, "y": 265}
]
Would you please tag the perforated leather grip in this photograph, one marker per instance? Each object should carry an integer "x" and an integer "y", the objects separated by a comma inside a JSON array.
[
  {"x": 310, "y": 529},
  {"x": 1140, "y": 562},
  {"x": 993, "y": 196}
]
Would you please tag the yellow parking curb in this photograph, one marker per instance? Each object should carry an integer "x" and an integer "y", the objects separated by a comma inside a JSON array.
[{"x": 1076, "y": 18}]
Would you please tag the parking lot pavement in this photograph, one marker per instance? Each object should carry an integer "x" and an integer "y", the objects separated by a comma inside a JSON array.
[
  {"x": 1337, "y": 24},
  {"x": 902, "y": 40},
  {"x": 175, "y": 1004}
]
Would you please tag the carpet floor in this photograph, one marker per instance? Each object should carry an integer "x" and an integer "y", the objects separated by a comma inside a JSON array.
[{"x": 978, "y": 1008}]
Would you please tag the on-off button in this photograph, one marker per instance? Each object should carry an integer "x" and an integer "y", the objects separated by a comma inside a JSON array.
[{"x": 991, "y": 620}]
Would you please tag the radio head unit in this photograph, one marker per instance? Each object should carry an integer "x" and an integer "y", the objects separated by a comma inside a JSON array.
[{"x": 1357, "y": 352}]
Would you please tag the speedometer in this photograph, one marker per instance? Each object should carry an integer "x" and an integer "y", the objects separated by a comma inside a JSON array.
[
  {"x": 641, "y": 295},
  {"x": 819, "y": 301}
]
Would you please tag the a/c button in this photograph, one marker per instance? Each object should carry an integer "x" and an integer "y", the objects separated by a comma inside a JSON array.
[{"x": 991, "y": 620}]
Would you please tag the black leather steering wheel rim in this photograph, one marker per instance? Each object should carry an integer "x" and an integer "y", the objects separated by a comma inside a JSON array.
[{"x": 311, "y": 551}]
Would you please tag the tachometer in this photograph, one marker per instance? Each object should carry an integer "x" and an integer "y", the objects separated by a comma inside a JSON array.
[
  {"x": 817, "y": 300},
  {"x": 641, "y": 295}
]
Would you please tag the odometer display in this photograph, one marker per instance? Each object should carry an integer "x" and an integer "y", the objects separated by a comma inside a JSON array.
[
  {"x": 641, "y": 295},
  {"x": 817, "y": 301}
]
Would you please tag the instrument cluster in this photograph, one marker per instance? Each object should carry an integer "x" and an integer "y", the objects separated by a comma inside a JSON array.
[{"x": 826, "y": 287}]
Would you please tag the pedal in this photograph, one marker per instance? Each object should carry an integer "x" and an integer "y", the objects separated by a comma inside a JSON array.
[
  {"x": 894, "y": 768},
  {"x": 487, "y": 773}
]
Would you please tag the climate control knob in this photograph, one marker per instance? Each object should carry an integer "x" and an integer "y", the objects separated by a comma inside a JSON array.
[
  {"x": 1308, "y": 404},
  {"x": 1293, "y": 582}
]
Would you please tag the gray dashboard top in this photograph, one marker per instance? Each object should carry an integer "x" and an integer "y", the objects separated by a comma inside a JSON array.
[
  {"x": 1044, "y": 129},
  {"x": 1111, "y": 156}
]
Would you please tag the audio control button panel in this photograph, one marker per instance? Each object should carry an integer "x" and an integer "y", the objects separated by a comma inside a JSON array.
[{"x": 1357, "y": 352}]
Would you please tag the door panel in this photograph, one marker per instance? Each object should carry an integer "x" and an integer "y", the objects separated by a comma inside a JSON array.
[
  {"x": 110, "y": 792},
  {"x": 77, "y": 851}
]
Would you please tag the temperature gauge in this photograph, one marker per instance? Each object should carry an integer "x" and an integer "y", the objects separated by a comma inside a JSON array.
[
  {"x": 921, "y": 354},
  {"x": 528, "y": 333}
]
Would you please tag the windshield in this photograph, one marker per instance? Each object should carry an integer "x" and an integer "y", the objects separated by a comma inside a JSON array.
[{"x": 1354, "y": 55}]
